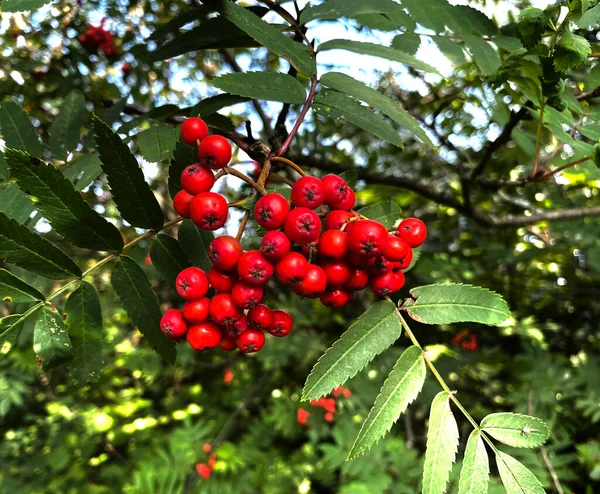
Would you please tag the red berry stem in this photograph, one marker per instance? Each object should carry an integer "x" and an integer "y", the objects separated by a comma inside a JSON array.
[
  {"x": 232, "y": 171},
  {"x": 242, "y": 227}
]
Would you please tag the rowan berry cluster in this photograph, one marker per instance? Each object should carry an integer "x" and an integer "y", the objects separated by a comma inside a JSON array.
[
  {"x": 327, "y": 404},
  {"x": 315, "y": 243},
  {"x": 99, "y": 38},
  {"x": 468, "y": 341}
]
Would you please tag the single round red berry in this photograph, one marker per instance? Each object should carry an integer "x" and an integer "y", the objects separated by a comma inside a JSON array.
[
  {"x": 181, "y": 203},
  {"x": 251, "y": 341},
  {"x": 204, "y": 336},
  {"x": 291, "y": 270},
  {"x": 215, "y": 152},
  {"x": 196, "y": 311},
  {"x": 387, "y": 283},
  {"x": 403, "y": 263},
  {"x": 313, "y": 284},
  {"x": 335, "y": 189},
  {"x": 337, "y": 273},
  {"x": 191, "y": 283},
  {"x": 302, "y": 225},
  {"x": 335, "y": 219},
  {"x": 260, "y": 317},
  {"x": 413, "y": 231},
  {"x": 173, "y": 325},
  {"x": 234, "y": 329},
  {"x": 359, "y": 279},
  {"x": 222, "y": 309},
  {"x": 275, "y": 245},
  {"x": 357, "y": 260},
  {"x": 246, "y": 296},
  {"x": 209, "y": 210},
  {"x": 367, "y": 238},
  {"x": 347, "y": 203},
  {"x": 221, "y": 281},
  {"x": 254, "y": 268},
  {"x": 379, "y": 265},
  {"x": 336, "y": 299},
  {"x": 282, "y": 323},
  {"x": 307, "y": 192},
  {"x": 196, "y": 179},
  {"x": 224, "y": 252},
  {"x": 333, "y": 244},
  {"x": 396, "y": 249},
  {"x": 193, "y": 130},
  {"x": 270, "y": 211},
  {"x": 228, "y": 344}
]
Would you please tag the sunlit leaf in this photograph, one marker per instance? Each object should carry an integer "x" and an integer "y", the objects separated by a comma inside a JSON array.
[
  {"x": 51, "y": 342},
  {"x": 514, "y": 429},
  {"x": 14, "y": 289}
]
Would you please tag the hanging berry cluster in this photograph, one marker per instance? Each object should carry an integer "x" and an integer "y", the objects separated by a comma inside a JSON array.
[
  {"x": 98, "y": 38},
  {"x": 315, "y": 243}
]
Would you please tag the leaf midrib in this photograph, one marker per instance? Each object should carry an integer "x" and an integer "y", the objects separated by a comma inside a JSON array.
[{"x": 448, "y": 304}]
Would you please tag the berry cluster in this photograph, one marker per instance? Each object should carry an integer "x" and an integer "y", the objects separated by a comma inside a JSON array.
[
  {"x": 468, "y": 341},
  {"x": 96, "y": 37},
  {"x": 328, "y": 404},
  {"x": 205, "y": 469}
]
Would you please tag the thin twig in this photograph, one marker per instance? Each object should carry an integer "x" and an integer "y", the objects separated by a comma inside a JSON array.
[
  {"x": 242, "y": 227},
  {"x": 289, "y": 163},
  {"x": 232, "y": 171}
]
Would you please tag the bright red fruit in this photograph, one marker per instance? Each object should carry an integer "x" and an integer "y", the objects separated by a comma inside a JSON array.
[
  {"x": 209, "y": 210},
  {"x": 302, "y": 225},
  {"x": 347, "y": 203},
  {"x": 379, "y": 265},
  {"x": 270, "y": 211},
  {"x": 193, "y": 130},
  {"x": 282, "y": 323},
  {"x": 203, "y": 470},
  {"x": 222, "y": 309},
  {"x": 307, "y": 192},
  {"x": 191, "y": 283},
  {"x": 173, "y": 325},
  {"x": 275, "y": 245},
  {"x": 313, "y": 284},
  {"x": 333, "y": 243},
  {"x": 335, "y": 219},
  {"x": 396, "y": 249},
  {"x": 358, "y": 280},
  {"x": 236, "y": 328},
  {"x": 387, "y": 283},
  {"x": 204, "y": 336},
  {"x": 221, "y": 281},
  {"x": 254, "y": 268},
  {"x": 367, "y": 238},
  {"x": 302, "y": 416},
  {"x": 181, "y": 203},
  {"x": 413, "y": 231},
  {"x": 337, "y": 273},
  {"x": 224, "y": 252},
  {"x": 196, "y": 179},
  {"x": 291, "y": 270},
  {"x": 215, "y": 152},
  {"x": 196, "y": 311},
  {"x": 336, "y": 299},
  {"x": 404, "y": 262},
  {"x": 228, "y": 344},
  {"x": 246, "y": 296},
  {"x": 335, "y": 189},
  {"x": 251, "y": 341},
  {"x": 260, "y": 317}
]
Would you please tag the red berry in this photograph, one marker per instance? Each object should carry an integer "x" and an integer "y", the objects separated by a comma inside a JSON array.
[
  {"x": 181, "y": 203},
  {"x": 207, "y": 448},
  {"x": 307, "y": 192},
  {"x": 228, "y": 344},
  {"x": 224, "y": 252},
  {"x": 336, "y": 298},
  {"x": 387, "y": 283},
  {"x": 347, "y": 203},
  {"x": 291, "y": 270},
  {"x": 222, "y": 309},
  {"x": 221, "y": 281},
  {"x": 251, "y": 341},
  {"x": 196, "y": 311},
  {"x": 191, "y": 283},
  {"x": 204, "y": 336},
  {"x": 329, "y": 417},
  {"x": 379, "y": 265},
  {"x": 173, "y": 325},
  {"x": 358, "y": 280},
  {"x": 335, "y": 219},
  {"x": 396, "y": 249},
  {"x": 270, "y": 211},
  {"x": 209, "y": 210},
  {"x": 275, "y": 245},
  {"x": 282, "y": 323},
  {"x": 254, "y": 268},
  {"x": 357, "y": 260},
  {"x": 413, "y": 231},
  {"x": 335, "y": 189},
  {"x": 404, "y": 262},
  {"x": 313, "y": 284},
  {"x": 193, "y": 130},
  {"x": 302, "y": 225},
  {"x": 215, "y": 152},
  {"x": 236, "y": 328},
  {"x": 203, "y": 470},
  {"x": 196, "y": 179},
  {"x": 302, "y": 416},
  {"x": 333, "y": 243},
  {"x": 367, "y": 238},
  {"x": 260, "y": 317},
  {"x": 337, "y": 273},
  {"x": 246, "y": 296}
]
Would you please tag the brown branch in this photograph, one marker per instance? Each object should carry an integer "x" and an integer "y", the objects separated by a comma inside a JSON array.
[
  {"x": 522, "y": 220},
  {"x": 232, "y": 171}
]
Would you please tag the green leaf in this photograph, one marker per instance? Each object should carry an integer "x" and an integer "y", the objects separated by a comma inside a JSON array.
[
  {"x": 10, "y": 329},
  {"x": 508, "y": 43},
  {"x": 442, "y": 443},
  {"x": 590, "y": 19},
  {"x": 267, "y": 86},
  {"x": 61, "y": 204},
  {"x": 183, "y": 156},
  {"x": 194, "y": 243},
  {"x": 14, "y": 203},
  {"x": 386, "y": 212},
  {"x": 428, "y": 13},
  {"x": 591, "y": 131},
  {"x": 131, "y": 193},
  {"x": 338, "y": 106},
  {"x": 571, "y": 51},
  {"x": 350, "y": 176},
  {"x": 13, "y": 289},
  {"x": 17, "y": 130},
  {"x": 334, "y": 9},
  {"x": 270, "y": 37},
  {"x": 596, "y": 155},
  {"x": 532, "y": 24},
  {"x": 211, "y": 105},
  {"x": 407, "y": 42},
  {"x": 141, "y": 303},
  {"x": 20, "y": 246},
  {"x": 515, "y": 429},
  {"x": 4, "y": 172},
  {"x": 455, "y": 302},
  {"x": 517, "y": 479},
  {"x": 168, "y": 258},
  {"x": 475, "y": 472},
  {"x": 416, "y": 254},
  {"x": 22, "y": 5},
  {"x": 399, "y": 390},
  {"x": 64, "y": 133},
  {"x": 483, "y": 54},
  {"x": 358, "y": 90},
  {"x": 84, "y": 170},
  {"x": 157, "y": 143},
  {"x": 51, "y": 342},
  {"x": 451, "y": 50},
  {"x": 367, "y": 337},
  {"x": 376, "y": 50},
  {"x": 467, "y": 20},
  {"x": 83, "y": 319}
]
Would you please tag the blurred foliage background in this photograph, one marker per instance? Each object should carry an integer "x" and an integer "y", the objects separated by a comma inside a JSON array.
[{"x": 141, "y": 428}]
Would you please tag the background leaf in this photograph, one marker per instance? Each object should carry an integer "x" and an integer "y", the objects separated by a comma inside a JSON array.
[
  {"x": 83, "y": 171},
  {"x": 483, "y": 54},
  {"x": 571, "y": 51},
  {"x": 15, "y": 290},
  {"x": 10, "y": 329},
  {"x": 14, "y": 203},
  {"x": 51, "y": 342},
  {"x": 517, "y": 479},
  {"x": 211, "y": 105},
  {"x": 168, "y": 258},
  {"x": 17, "y": 130},
  {"x": 194, "y": 242},
  {"x": 407, "y": 42},
  {"x": 64, "y": 133},
  {"x": 334, "y": 9},
  {"x": 183, "y": 156},
  {"x": 22, "y": 5},
  {"x": 388, "y": 213},
  {"x": 157, "y": 143},
  {"x": 267, "y": 86},
  {"x": 475, "y": 472},
  {"x": 515, "y": 429}
]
